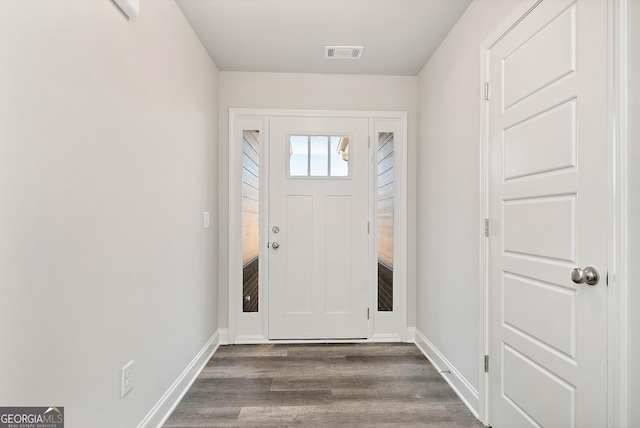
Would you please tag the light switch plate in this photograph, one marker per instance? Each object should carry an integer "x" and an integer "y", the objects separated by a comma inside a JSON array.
[{"x": 206, "y": 223}]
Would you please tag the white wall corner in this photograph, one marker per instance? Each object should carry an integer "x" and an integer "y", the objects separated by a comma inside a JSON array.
[
  {"x": 170, "y": 400},
  {"x": 467, "y": 393}
]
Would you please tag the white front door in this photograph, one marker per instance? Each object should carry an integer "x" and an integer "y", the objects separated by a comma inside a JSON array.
[
  {"x": 318, "y": 227},
  {"x": 548, "y": 211}
]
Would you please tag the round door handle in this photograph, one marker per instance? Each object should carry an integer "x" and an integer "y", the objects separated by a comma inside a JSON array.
[
  {"x": 588, "y": 275},
  {"x": 275, "y": 245}
]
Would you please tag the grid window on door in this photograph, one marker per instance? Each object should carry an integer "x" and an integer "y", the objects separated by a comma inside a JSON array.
[{"x": 318, "y": 156}]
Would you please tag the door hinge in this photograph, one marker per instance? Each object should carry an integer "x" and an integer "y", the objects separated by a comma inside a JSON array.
[
  {"x": 368, "y": 313},
  {"x": 486, "y": 227},
  {"x": 369, "y": 141},
  {"x": 486, "y": 91},
  {"x": 368, "y": 227},
  {"x": 486, "y": 364}
]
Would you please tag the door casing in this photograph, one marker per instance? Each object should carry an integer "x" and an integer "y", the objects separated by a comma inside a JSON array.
[{"x": 253, "y": 327}]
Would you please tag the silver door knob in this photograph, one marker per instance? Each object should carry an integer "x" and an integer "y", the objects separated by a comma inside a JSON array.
[
  {"x": 275, "y": 245},
  {"x": 587, "y": 275}
]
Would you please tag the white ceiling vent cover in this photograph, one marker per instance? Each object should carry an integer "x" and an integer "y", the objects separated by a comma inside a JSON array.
[{"x": 343, "y": 52}]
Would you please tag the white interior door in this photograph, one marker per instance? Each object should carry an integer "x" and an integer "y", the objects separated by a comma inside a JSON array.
[
  {"x": 318, "y": 227},
  {"x": 548, "y": 203}
]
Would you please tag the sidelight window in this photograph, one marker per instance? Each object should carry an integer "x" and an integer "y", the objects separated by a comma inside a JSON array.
[
  {"x": 250, "y": 219},
  {"x": 385, "y": 211}
]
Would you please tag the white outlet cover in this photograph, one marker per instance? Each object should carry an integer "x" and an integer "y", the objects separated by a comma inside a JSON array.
[
  {"x": 206, "y": 223},
  {"x": 126, "y": 376}
]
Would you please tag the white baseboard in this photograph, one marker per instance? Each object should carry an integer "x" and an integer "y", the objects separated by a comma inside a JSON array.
[
  {"x": 389, "y": 337},
  {"x": 224, "y": 336},
  {"x": 259, "y": 340},
  {"x": 467, "y": 393},
  {"x": 411, "y": 335},
  {"x": 168, "y": 402},
  {"x": 246, "y": 339}
]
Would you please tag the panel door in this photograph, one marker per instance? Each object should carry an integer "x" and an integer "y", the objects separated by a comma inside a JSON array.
[
  {"x": 548, "y": 166},
  {"x": 318, "y": 230}
]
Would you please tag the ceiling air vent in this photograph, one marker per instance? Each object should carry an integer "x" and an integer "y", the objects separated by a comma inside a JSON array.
[{"x": 343, "y": 52}]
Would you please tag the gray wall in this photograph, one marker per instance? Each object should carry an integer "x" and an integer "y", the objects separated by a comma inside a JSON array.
[
  {"x": 447, "y": 278},
  {"x": 108, "y": 134}
]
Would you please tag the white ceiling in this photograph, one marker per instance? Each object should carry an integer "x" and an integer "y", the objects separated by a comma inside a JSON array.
[{"x": 398, "y": 36}]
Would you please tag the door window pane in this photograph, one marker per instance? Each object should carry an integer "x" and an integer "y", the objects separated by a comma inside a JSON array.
[
  {"x": 299, "y": 156},
  {"x": 315, "y": 156},
  {"x": 319, "y": 156},
  {"x": 339, "y": 160}
]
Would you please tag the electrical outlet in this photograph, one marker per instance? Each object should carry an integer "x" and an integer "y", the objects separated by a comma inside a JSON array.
[
  {"x": 127, "y": 378},
  {"x": 206, "y": 221}
]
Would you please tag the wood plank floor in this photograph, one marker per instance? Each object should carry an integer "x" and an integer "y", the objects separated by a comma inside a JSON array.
[{"x": 320, "y": 385}]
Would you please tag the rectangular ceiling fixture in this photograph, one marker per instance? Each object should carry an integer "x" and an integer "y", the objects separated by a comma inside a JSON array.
[{"x": 343, "y": 52}]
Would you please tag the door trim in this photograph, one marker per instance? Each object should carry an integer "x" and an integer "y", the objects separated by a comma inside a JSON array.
[
  {"x": 618, "y": 212},
  {"x": 617, "y": 201},
  {"x": 253, "y": 327}
]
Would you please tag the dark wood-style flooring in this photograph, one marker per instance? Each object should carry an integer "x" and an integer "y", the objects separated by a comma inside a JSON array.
[{"x": 321, "y": 385}]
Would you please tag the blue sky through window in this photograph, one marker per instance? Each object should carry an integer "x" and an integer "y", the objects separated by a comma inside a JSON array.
[
  {"x": 299, "y": 153},
  {"x": 316, "y": 156}
]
